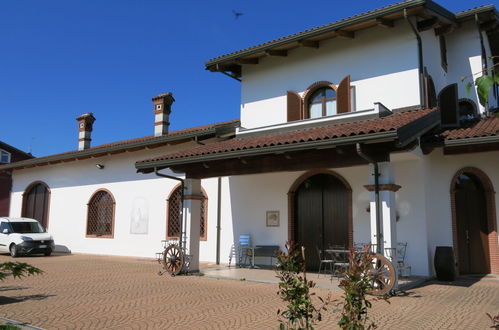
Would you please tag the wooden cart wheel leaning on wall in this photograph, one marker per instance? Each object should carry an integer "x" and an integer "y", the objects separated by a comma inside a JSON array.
[{"x": 384, "y": 275}]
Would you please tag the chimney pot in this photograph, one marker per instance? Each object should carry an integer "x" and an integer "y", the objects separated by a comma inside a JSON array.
[
  {"x": 162, "y": 109},
  {"x": 85, "y": 127}
]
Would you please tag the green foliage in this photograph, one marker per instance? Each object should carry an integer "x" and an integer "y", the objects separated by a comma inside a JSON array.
[
  {"x": 294, "y": 289},
  {"x": 356, "y": 285},
  {"x": 8, "y": 327},
  {"x": 483, "y": 84},
  {"x": 17, "y": 269}
]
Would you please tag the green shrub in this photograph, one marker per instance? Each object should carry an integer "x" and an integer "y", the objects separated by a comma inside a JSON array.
[{"x": 294, "y": 289}]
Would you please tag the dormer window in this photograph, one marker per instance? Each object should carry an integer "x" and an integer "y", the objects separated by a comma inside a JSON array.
[
  {"x": 322, "y": 103},
  {"x": 4, "y": 156}
]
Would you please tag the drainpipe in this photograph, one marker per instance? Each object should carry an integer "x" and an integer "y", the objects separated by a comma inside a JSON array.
[
  {"x": 182, "y": 227},
  {"x": 219, "y": 217},
  {"x": 376, "y": 193},
  {"x": 420, "y": 59}
]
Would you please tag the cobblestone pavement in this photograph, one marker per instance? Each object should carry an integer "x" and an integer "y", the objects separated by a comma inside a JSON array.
[{"x": 102, "y": 292}]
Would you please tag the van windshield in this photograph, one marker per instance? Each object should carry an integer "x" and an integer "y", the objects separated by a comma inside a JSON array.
[{"x": 26, "y": 227}]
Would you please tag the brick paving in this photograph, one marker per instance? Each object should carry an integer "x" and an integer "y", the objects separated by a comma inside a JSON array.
[{"x": 103, "y": 292}]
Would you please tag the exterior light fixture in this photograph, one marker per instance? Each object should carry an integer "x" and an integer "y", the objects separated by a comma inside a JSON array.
[{"x": 99, "y": 166}]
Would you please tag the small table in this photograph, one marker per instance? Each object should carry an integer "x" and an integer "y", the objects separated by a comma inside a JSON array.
[{"x": 339, "y": 257}]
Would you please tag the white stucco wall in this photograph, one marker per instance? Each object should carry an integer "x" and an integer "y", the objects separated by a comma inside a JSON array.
[
  {"x": 382, "y": 63},
  {"x": 72, "y": 185},
  {"x": 463, "y": 57},
  {"x": 439, "y": 170}
]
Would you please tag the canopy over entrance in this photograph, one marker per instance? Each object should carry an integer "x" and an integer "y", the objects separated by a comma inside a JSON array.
[{"x": 329, "y": 146}]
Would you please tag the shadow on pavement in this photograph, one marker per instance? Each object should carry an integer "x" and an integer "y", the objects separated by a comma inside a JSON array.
[
  {"x": 12, "y": 288},
  {"x": 13, "y": 300},
  {"x": 462, "y": 281}
]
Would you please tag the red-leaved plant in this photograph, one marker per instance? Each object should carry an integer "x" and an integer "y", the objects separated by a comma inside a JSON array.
[{"x": 294, "y": 289}]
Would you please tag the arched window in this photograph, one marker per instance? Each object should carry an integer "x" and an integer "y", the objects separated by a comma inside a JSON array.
[
  {"x": 321, "y": 99},
  {"x": 36, "y": 201},
  {"x": 322, "y": 102},
  {"x": 467, "y": 109},
  {"x": 100, "y": 215},
  {"x": 174, "y": 221}
]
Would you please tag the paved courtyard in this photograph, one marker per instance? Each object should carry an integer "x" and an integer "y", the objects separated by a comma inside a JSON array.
[{"x": 102, "y": 292}]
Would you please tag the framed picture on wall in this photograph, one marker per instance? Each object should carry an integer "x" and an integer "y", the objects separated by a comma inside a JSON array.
[{"x": 272, "y": 218}]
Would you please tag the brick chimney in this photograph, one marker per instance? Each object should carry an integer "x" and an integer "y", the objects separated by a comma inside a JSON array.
[
  {"x": 85, "y": 125},
  {"x": 162, "y": 108}
]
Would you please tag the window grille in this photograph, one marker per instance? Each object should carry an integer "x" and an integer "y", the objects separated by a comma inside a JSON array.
[
  {"x": 174, "y": 205},
  {"x": 100, "y": 215}
]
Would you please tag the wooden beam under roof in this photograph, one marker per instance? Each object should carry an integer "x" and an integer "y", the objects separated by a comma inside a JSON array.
[
  {"x": 427, "y": 24},
  {"x": 444, "y": 29},
  {"x": 247, "y": 60},
  {"x": 345, "y": 34},
  {"x": 276, "y": 52},
  {"x": 384, "y": 22},
  {"x": 489, "y": 25},
  {"x": 309, "y": 43}
]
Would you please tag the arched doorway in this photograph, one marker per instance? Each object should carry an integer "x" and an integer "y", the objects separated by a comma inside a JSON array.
[
  {"x": 321, "y": 213},
  {"x": 36, "y": 202},
  {"x": 472, "y": 199}
]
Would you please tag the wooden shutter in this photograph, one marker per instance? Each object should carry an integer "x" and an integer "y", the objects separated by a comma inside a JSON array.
[
  {"x": 294, "y": 106},
  {"x": 448, "y": 105},
  {"x": 343, "y": 95},
  {"x": 430, "y": 93}
]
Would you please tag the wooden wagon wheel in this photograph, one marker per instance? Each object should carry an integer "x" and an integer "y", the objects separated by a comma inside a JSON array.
[
  {"x": 384, "y": 275},
  {"x": 173, "y": 259}
]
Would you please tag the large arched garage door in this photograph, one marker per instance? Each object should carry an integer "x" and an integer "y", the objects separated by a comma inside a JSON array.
[
  {"x": 321, "y": 213},
  {"x": 474, "y": 222},
  {"x": 36, "y": 199}
]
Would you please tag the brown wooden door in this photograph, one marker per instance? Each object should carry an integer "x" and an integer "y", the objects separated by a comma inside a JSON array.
[
  {"x": 321, "y": 209},
  {"x": 36, "y": 202},
  {"x": 471, "y": 221}
]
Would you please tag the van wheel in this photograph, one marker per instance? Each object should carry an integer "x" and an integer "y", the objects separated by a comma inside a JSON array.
[
  {"x": 47, "y": 252},
  {"x": 13, "y": 251}
]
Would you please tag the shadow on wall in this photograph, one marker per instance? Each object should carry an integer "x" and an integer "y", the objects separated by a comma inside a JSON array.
[{"x": 251, "y": 197}]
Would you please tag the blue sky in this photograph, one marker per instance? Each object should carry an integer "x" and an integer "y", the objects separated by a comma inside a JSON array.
[{"x": 59, "y": 59}]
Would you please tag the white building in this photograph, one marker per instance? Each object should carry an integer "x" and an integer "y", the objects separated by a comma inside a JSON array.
[{"x": 322, "y": 112}]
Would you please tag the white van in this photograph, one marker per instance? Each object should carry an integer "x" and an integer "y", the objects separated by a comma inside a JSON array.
[{"x": 24, "y": 236}]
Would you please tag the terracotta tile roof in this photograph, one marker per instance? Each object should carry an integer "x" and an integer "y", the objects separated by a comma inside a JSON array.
[
  {"x": 385, "y": 124},
  {"x": 124, "y": 144},
  {"x": 179, "y": 133},
  {"x": 342, "y": 23},
  {"x": 319, "y": 28},
  {"x": 481, "y": 128}
]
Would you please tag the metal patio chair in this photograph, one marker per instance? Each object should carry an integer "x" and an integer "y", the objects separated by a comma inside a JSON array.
[
  {"x": 241, "y": 250},
  {"x": 398, "y": 255},
  {"x": 324, "y": 260}
]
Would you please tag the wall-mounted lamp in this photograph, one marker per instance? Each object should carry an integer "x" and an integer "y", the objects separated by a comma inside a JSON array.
[{"x": 99, "y": 166}]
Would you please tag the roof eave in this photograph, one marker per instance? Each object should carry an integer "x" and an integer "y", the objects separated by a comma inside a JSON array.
[
  {"x": 147, "y": 166},
  {"x": 471, "y": 141},
  {"x": 98, "y": 151},
  {"x": 430, "y": 5}
]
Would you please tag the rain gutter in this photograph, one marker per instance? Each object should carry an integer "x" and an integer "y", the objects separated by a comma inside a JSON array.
[
  {"x": 377, "y": 13},
  {"x": 370, "y": 138},
  {"x": 471, "y": 141},
  {"x": 98, "y": 151}
]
